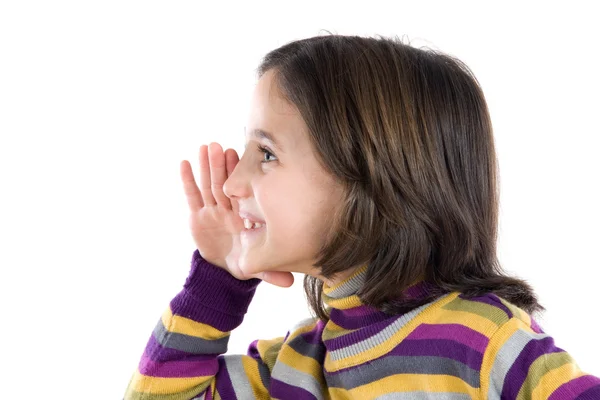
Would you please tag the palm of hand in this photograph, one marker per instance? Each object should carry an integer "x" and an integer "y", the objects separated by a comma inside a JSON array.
[
  {"x": 218, "y": 230},
  {"x": 214, "y": 217}
]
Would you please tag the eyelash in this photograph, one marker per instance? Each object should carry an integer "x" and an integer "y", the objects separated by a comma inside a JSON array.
[{"x": 265, "y": 150}]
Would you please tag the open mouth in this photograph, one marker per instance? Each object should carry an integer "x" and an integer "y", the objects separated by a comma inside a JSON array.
[
  {"x": 249, "y": 225},
  {"x": 253, "y": 233}
]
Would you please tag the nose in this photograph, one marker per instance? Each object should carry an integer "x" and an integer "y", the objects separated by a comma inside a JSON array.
[{"x": 237, "y": 184}]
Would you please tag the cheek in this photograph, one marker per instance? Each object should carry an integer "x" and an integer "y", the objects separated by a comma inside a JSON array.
[
  {"x": 294, "y": 209},
  {"x": 286, "y": 208}
]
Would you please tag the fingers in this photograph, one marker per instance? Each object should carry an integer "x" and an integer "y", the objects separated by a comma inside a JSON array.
[
  {"x": 215, "y": 168},
  {"x": 278, "y": 278},
  {"x": 205, "y": 184},
  {"x": 231, "y": 160},
  {"x": 192, "y": 193},
  {"x": 218, "y": 174}
]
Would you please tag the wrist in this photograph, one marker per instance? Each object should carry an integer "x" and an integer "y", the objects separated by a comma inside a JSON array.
[{"x": 216, "y": 288}]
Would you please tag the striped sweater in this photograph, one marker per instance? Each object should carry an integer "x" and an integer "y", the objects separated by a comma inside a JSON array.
[{"x": 451, "y": 348}]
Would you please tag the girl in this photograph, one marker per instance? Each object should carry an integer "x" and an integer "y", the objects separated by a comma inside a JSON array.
[{"x": 370, "y": 167}]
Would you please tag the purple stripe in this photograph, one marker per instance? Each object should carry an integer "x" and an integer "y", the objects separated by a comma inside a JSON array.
[
  {"x": 439, "y": 348},
  {"x": 590, "y": 394},
  {"x": 314, "y": 335},
  {"x": 345, "y": 321},
  {"x": 535, "y": 327},
  {"x": 357, "y": 336},
  {"x": 518, "y": 371},
  {"x": 253, "y": 350},
  {"x": 456, "y": 332},
  {"x": 419, "y": 290},
  {"x": 360, "y": 311},
  {"x": 575, "y": 387},
  {"x": 282, "y": 390},
  {"x": 224, "y": 386},
  {"x": 178, "y": 369},
  {"x": 156, "y": 352},
  {"x": 186, "y": 305},
  {"x": 213, "y": 296},
  {"x": 490, "y": 299}
]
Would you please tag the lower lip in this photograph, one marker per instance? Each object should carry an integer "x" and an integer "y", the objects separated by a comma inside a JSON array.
[{"x": 250, "y": 234}]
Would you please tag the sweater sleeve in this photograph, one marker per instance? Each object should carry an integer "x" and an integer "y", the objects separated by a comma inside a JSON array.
[
  {"x": 523, "y": 362},
  {"x": 184, "y": 357}
]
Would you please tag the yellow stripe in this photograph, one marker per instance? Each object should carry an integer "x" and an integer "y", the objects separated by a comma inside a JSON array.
[
  {"x": 429, "y": 315},
  {"x": 263, "y": 345},
  {"x": 406, "y": 383},
  {"x": 333, "y": 330},
  {"x": 342, "y": 303},
  {"x": 493, "y": 347},
  {"x": 301, "y": 363},
  {"x": 303, "y": 329},
  {"x": 250, "y": 366},
  {"x": 498, "y": 339},
  {"x": 554, "y": 379},
  {"x": 338, "y": 394},
  {"x": 517, "y": 312},
  {"x": 474, "y": 321},
  {"x": 268, "y": 349},
  {"x": 539, "y": 368},
  {"x": 160, "y": 385},
  {"x": 178, "y": 324}
]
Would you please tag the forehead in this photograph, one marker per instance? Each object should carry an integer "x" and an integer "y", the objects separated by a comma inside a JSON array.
[
  {"x": 268, "y": 102},
  {"x": 263, "y": 135},
  {"x": 272, "y": 118}
]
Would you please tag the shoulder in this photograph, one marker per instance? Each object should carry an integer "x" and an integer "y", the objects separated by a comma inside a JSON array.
[
  {"x": 303, "y": 326},
  {"x": 522, "y": 361},
  {"x": 515, "y": 357},
  {"x": 485, "y": 314}
]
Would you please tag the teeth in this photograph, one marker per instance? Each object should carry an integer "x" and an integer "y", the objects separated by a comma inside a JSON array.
[{"x": 252, "y": 225}]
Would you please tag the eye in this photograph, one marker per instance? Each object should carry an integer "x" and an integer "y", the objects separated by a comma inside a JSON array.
[{"x": 266, "y": 152}]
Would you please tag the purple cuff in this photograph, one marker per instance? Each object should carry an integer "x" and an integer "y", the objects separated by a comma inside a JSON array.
[{"x": 213, "y": 296}]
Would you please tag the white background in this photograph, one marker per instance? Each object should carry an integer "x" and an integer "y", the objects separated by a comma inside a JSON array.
[{"x": 100, "y": 101}]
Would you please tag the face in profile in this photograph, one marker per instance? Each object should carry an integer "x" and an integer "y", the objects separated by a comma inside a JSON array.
[{"x": 280, "y": 183}]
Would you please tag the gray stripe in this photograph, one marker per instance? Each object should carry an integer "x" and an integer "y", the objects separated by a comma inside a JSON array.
[
  {"x": 302, "y": 323},
  {"x": 237, "y": 374},
  {"x": 381, "y": 336},
  {"x": 293, "y": 377},
  {"x": 239, "y": 378},
  {"x": 391, "y": 365},
  {"x": 265, "y": 374},
  {"x": 349, "y": 288},
  {"x": 506, "y": 357},
  {"x": 424, "y": 396},
  {"x": 314, "y": 351},
  {"x": 187, "y": 343}
]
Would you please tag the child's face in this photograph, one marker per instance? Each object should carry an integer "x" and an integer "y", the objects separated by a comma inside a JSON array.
[{"x": 290, "y": 193}]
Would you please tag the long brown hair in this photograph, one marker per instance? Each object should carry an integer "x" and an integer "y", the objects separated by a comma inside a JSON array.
[{"x": 407, "y": 133}]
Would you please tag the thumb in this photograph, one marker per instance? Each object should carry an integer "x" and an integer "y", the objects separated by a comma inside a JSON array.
[{"x": 277, "y": 278}]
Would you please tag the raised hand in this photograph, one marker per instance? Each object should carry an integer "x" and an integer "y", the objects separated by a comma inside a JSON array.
[{"x": 214, "y": 220}]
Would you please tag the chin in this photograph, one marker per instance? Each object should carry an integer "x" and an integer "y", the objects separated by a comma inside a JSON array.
[{"x": 249, "y": 267}]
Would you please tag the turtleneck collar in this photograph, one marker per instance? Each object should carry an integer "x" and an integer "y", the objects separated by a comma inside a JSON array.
[
  {"x": 347, "y": 311},
  {"x": 342, "y": 295}
]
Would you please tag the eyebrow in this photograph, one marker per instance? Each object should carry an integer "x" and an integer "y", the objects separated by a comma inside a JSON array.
[{"x": 261, "y": 134}]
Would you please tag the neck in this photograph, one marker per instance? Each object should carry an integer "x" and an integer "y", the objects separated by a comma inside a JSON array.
[{"x": 336, "y": 279}]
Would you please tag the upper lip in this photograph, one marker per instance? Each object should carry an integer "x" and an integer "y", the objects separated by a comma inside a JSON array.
[{"x": 251, "y": 217}]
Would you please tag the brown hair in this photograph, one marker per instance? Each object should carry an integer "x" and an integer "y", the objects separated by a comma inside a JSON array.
[{"x": 407, "y": 133}]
